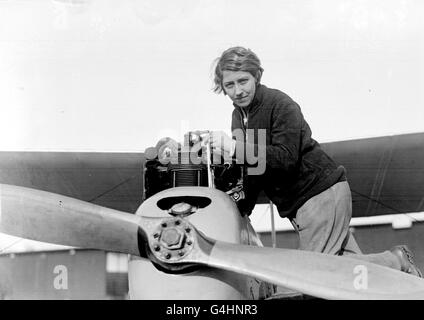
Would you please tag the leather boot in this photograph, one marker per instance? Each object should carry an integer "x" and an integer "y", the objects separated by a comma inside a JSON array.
[{"x": 406, "y": 259}]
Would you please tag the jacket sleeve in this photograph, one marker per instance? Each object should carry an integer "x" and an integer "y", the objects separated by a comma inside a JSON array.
[{"x": 285, "y": 138}]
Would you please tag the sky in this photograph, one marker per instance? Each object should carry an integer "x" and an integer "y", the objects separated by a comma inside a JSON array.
[{"x": 103, "y": 75}]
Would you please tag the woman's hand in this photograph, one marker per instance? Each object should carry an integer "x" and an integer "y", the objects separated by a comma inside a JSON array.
[{"x": 222, "y": 144}]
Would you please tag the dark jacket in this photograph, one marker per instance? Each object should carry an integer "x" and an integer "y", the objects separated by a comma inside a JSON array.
[{"x": 296, "y": 166}]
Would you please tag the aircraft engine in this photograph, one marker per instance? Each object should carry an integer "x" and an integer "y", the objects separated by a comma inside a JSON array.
[
  {"x": 188, "y": 184},
  {"x": 170, "y": 165}
]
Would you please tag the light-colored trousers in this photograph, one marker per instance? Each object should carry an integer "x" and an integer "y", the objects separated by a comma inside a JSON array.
[{"x": 323, "y": 226}]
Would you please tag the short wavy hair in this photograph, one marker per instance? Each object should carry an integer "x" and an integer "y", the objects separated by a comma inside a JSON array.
[{"x": 236, "y": 59}]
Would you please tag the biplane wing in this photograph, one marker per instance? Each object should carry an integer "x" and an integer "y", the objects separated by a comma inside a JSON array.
[
  {"x": 386, "y": 174},
  {"x": 113, "y": 180}
]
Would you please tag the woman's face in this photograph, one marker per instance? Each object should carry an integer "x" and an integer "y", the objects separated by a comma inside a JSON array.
[{"x": 240, "y": 86}]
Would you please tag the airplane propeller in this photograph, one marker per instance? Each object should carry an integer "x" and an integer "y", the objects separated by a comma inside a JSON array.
[
  {"x": 53, "y": 218},
  {"x": 175, "y": 244}
]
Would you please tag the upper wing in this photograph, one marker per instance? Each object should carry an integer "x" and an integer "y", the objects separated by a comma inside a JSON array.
[
  {"x": 386, "y": 174},
  {"x": 112, "y": 180}
]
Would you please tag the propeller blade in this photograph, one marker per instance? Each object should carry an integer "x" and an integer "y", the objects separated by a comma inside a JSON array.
[
  {"x": 316, "y": 274},
  {"x": 53, "y": 218}
]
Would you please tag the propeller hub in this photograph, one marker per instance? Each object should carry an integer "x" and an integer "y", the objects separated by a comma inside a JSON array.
[{"x": 172, "y": 240}]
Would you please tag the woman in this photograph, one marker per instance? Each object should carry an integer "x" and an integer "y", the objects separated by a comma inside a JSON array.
[{"x": 303, "y": 182}]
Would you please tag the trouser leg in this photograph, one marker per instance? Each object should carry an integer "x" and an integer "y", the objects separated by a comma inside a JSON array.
[
  {"x": 323, "y": 221},
  {"x": 323, "y": 226},
  {"x": 385, "y": 258}
]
